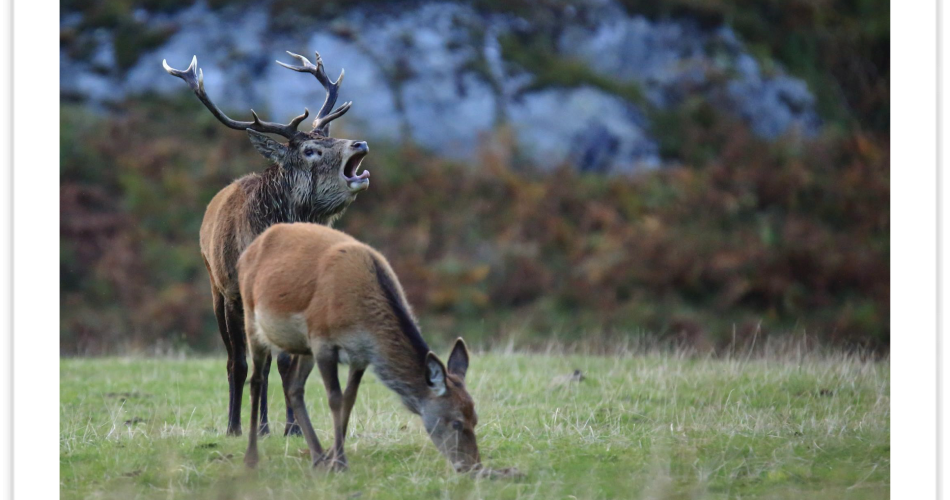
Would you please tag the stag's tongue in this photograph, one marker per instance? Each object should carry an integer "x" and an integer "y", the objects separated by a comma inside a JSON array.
[{"x": 359, "y": 180}]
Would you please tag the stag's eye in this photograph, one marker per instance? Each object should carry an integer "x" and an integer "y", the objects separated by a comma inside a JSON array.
[
  {"x": 457, "y": 425},
  {"x": 310, "y": 152}
]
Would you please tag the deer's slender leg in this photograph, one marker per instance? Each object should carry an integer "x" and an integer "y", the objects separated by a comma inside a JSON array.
[
  {"x": 265, "y": 428},
  {"x": 235, "y": 320},
  {"x": 302, "y": 366},
  {"x": 259, "y": 357},
  {"x": 349, "y": 397},
  {"x": 284, "y": 365},
  {"x": 328, "y": 361},
  {"x": 220, "y": 316}
]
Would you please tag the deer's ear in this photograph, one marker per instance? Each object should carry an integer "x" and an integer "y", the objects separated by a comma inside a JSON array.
[
  {"x": 458, "y": 360},
  {"x": 267, "y": 147},
  {"x": 435, "y": 374}
]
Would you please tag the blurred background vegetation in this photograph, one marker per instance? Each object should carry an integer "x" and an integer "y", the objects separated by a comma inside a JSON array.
[{"x": 735, "y": 237}]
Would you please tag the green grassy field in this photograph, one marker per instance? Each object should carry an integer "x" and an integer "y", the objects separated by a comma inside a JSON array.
[{"x": 638, "y": 426}]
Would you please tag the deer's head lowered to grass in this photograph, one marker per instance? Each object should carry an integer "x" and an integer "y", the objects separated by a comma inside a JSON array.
[
  {"x": 311, "y": 178},
  {"x": 449, "y": 416}
]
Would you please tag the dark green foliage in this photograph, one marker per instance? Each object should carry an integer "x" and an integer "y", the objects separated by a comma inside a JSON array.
[{"x": 749, "y": 239}]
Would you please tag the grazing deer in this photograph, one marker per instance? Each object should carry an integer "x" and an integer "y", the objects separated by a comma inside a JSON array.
[
  {"x": 311, "y": 178},
  {"x": 320, "y": 294}
]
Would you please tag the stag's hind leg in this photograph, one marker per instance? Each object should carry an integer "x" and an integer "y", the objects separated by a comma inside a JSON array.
[
  {"x": 237, "y": 362},
  {"x": 238, "y": 365},
  {"x": 220, "y": 315}
]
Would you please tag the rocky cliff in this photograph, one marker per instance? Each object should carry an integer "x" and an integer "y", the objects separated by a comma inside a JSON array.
[{"x": 583, "y": 89}]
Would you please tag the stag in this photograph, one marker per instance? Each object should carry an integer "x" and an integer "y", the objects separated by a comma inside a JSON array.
[{"x": 311, "y": 178}]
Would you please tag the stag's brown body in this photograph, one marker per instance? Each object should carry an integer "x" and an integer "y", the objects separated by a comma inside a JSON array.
[
  {"x": 311, "y": 290},
  {"x": 251, "y": 204},
  {"x": 311, "y": 178}
]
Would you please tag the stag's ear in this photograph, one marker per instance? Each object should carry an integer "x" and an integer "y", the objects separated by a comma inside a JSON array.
[
  {"x": 435, "y": 374},
  {"x": 458, "y": 360},
  {"x": 267, "y": 147}
]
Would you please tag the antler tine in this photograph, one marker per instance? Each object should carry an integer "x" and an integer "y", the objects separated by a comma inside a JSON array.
[
  {"x": 189, "y": 75},
  {"x": 324, "y": 116},
  {"x": 322, "y": 125},
  {"x": 307, "y": 66},
  {"x": 296, "y": 121},
  {"x": 194, "y": 77}
]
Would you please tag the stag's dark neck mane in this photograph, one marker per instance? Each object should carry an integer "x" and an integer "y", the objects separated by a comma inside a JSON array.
[{"x": 289, "y": 195}]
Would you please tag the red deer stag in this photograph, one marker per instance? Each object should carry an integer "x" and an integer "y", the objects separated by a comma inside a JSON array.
[
  {"x": 319, "y": 294},
  {"x": 311, "y": 178}
]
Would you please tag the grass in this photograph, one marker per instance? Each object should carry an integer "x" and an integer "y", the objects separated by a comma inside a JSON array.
[{"x": 649, "y": 425}]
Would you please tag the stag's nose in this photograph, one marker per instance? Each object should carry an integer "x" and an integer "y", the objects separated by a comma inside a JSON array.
[{"x": 361, "y": 146}]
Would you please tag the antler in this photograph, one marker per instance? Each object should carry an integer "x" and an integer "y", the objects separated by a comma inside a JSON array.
[
  {"x": 324, "y": 117},
  {"x": 194, "y": 77}
]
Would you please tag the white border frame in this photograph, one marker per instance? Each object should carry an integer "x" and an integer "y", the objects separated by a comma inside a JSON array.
[
  {"x": 36, "y": 249},
  {"x": 913, "y": 249},
  {"x": 913, "y": 261}
]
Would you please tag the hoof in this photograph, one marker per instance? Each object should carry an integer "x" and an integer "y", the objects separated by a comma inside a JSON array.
[
  {"x": 320, "y": 460},
  {"x": 329, "y": 462},
  {"x": 339, "y": 466},
  {"x": 250, "y": 460},
  {"x": 265, "y": 429},
  {"x": 292, "y": 430},
  {"x": 234, "y": 431}
]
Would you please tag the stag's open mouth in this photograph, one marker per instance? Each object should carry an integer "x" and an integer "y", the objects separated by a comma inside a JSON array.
[{"x": 355, "y": 182}]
